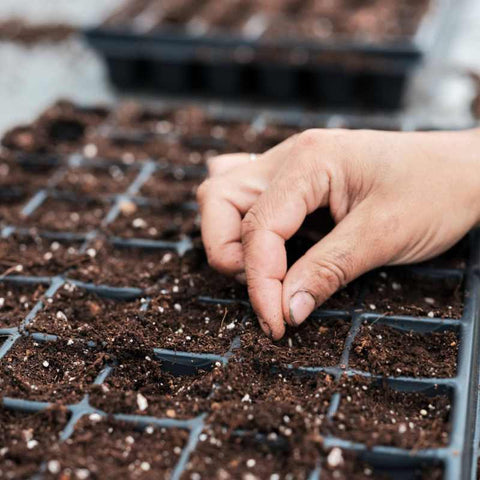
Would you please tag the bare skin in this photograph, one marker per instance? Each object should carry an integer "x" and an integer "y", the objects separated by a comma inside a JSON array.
[{"x": 396, "y": 198}]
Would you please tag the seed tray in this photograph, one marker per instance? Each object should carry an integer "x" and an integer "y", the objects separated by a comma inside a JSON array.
[
  {"x": 461, "y": 389},
  {"x": 338, "y": 72}
]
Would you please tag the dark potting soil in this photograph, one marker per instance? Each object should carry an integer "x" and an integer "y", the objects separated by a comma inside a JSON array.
[
  {"x": 23, "y": 174},
  {"x": 154, "y": 222},
  {"x": 378, "y": 415},
  {"x": 383, "y": 350},
  {"x": 398, "y": 292},
  {"x": 197, "y": 278},
  {"x": 139, "y": 384},
  {"x": 368, "y": 21},
  {"x": 252, "y": 396},
  {"x": 21, "y": 32},
  {"x": 119, "y": 266},
  {"x": 62, "y": 128},
  {"x": 97, "y": 180},
  {"x": 104, "y": 448},
  {"x": 39, "y": 256},
  {"x": 192, "y": 326},
  {"x": 77, "y": 215},
  {"x": 165, "y": 187},
  {"x": 345, "y": 465},
  {"x": 16, "y": 301},
  {"x": 244, "y": 457},
  {"x": 26, "y": 439},
  {"x": 48, "y": 371},
  {"x": 316, "y": 343},
  {"x": 76, "y": 313}
]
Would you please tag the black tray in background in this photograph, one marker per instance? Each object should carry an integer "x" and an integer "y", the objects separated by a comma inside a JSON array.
[{"x": 178, "y": 62}]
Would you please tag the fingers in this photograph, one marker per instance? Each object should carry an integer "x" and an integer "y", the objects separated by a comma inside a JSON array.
[
  {"x": 225, "y": 198},
  {"x": 353, "y": 247},
  {"x": 222, "y": 164},
  {"x": 275, "y": 217}
]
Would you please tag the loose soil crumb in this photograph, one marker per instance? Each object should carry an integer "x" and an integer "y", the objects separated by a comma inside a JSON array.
[
  {"x": 39, "y": 256},
  {"x": 16, "y": 301},
  {"x": 140, "y": 385},
  {"x": 253, "y": 396},
  {"x": 78, "y": 215},
  {"x": 398, "y": 292},
  {"x": 384, "y": 350},
  {"x": 48, "y": 371},
  {"x": 104, "y": 448},
  {"x": 376, "y": 415},
  {"x": 316, "y": 343},
  {"x": 154, "y": 222},
  {"x": 26, "y": 439}
]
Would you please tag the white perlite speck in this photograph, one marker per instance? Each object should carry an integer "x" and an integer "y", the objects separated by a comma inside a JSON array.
[
  {"x": 45, "y": 364},
  {"x": 82, "y": 473},
  {"x": 142, "y": 402},
  {"x": 31, "y": 444},
  {"x": 335, "y": 457},
  {"x": 53, "y": 466},
  {"x": 145, "y": 466},
  {"x": 251, "y": 463}
]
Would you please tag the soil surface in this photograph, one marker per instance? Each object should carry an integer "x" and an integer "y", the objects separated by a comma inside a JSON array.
[
  {"x": 192, "y": 326},
  {"x": 120, "y": 266},
  {"x": 351, "y": 467},
  {"x": 165, "y": 187},
  {"x": 154, "y": 222},
  {"x": 375, "y": 21},
  {"x": 21, "y": 32},
  {"x": 39, "y": 256},
  {"x": 62, "y": 128},
  {"x": 379, "y": 415},
  {"x": 97, "y": 180},
  {"x": 252, "y": 396},
  {"x": 139, "y": 384},
  {"x": 75, "y": 215},
  {"x": 238, "y": 457},
  {"x": 48, "y": 371},
  {"x": 25, "y": 439},
  {"x": 76, "y": 313},
  {"x": 16, "y": 301},
  {"x": 316, "y": 343},
  {"x": 104, "y": 448},
  {"x": 383, "y": 350},
  {"x": 398, "y": 292}
]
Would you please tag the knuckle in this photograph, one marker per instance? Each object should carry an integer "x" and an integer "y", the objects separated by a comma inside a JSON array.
[
  {"x": 308, "y": 138},
  {"x": 213, "y": 164},
  {"x": 329, "y": 276},
  {"x": 251, "y": 222},
  {"x": 202, "y": 190}
]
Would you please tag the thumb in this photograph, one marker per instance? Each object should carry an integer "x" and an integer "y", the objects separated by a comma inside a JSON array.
[{"x": 352, "y": 248}]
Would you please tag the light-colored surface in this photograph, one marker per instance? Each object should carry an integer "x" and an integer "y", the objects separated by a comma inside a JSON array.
[{"x": 75, "y": 12}]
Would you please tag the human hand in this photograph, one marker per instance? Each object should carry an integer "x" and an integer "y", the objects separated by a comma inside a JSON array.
[{"x": 395, "y": 197}]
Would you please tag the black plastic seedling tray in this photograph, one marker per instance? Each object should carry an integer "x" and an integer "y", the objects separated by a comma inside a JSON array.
[
  {"x": 458, "y": 457},
  {"x": 172, "y": 60}
]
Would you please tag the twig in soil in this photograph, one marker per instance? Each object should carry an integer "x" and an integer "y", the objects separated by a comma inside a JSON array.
[
  {"x": 223, "y": 319},
  {"x": 13, "y": 268}
]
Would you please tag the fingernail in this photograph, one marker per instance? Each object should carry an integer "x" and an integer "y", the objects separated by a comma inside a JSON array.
[
  {"x": 266, "y": 328},
  {"x": 301, "y": 306},
  {"x": 241, "y": 278}
]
